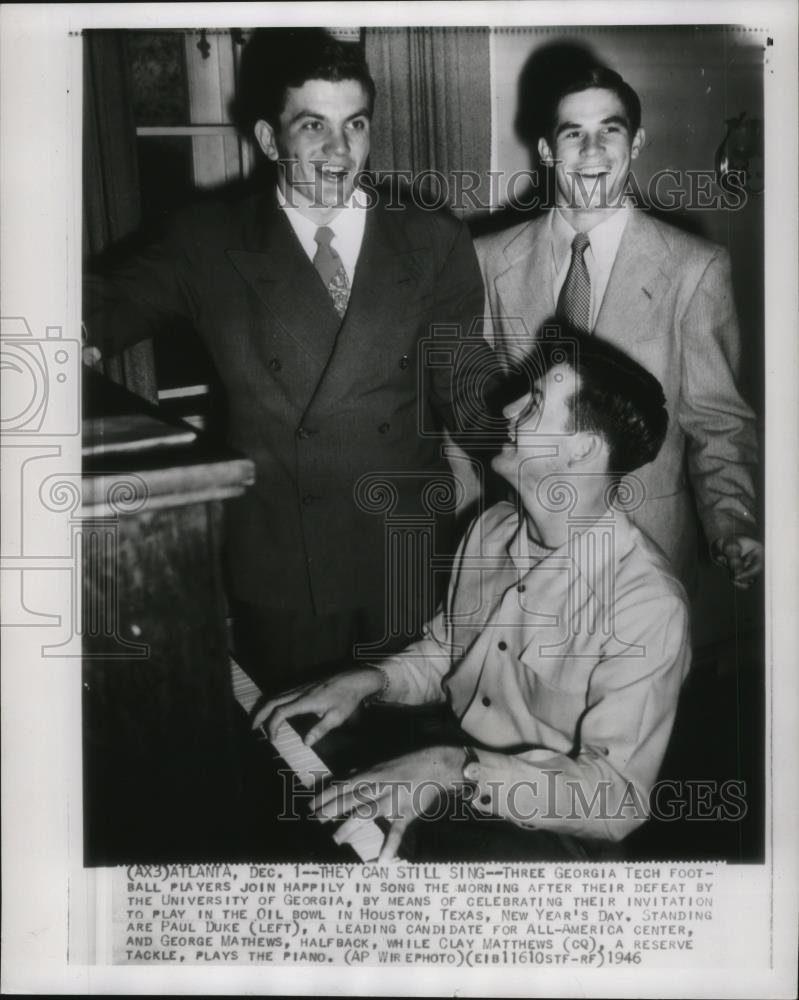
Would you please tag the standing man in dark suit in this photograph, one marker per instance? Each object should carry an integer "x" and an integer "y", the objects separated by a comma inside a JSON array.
[
  {"x": 312, "y": 299},
  {"x": 661, "y": 295}
]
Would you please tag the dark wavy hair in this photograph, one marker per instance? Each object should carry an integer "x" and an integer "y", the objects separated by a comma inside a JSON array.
[
  {"x": 275, "y": 59},
  {"x": 614, "y": 397},
  {"x": 590, "y": 78}
]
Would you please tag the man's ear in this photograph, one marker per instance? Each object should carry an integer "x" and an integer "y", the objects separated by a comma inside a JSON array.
[
  {"x": 545, "y": 152},
  {"x": 265, "y": 137},
  {"x": 586, "y": 447},
  {"x": 639, "y": 139}
]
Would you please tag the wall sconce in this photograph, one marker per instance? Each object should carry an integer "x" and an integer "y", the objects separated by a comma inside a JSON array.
[{"x": 741, "y": 153}]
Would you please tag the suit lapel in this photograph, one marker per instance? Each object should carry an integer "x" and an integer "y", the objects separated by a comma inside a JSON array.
[
  {"x": 386, "y": 278},
  {"x": 639, "y": 278},
  {"x": 277, "y": 269},
  {"x": 524, "y": 288}
]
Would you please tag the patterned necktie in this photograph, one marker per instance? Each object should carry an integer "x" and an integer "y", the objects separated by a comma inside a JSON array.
[
  {"x": 574, "y": 301},
  {"x": 328, "y": 263}
]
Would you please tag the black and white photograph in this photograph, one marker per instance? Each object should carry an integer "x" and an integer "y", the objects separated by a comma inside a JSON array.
[{"x": 398, "y": 562}]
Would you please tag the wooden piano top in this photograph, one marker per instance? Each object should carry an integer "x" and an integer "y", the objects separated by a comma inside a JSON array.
[{"x": 131, "y": 452}]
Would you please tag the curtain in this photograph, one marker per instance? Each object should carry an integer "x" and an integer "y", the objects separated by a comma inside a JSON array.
[
  {"x": 111, "y": 209},
  {"x": 433, "y": 105},
  {"x": 433, "y": 112}
]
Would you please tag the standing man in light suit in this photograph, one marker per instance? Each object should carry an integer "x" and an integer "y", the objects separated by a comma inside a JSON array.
[{"x": 658, "y": 293}]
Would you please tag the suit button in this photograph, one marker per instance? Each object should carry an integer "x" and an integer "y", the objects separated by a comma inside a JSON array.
[
  {"x": 275, "y": 364},
  {"x": 302, "y": 433},
  {"x": 521, "y": 588},
  {"x": 502, "y": 645},
  {"x": 404, "y": 361},
  {"x": 384, "y": 428},
  {"x": 308, "y": 499},
  {"x": 486, "y": 701}
]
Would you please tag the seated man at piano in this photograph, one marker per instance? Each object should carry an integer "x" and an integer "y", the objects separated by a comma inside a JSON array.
[{"x": 557, "y": 657}]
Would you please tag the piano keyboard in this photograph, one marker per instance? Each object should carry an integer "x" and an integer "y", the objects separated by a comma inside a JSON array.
[{"x": 367, "y": 840}]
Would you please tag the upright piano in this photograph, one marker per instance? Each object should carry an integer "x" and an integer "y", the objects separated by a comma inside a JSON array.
[{"x": 161, "y": 776}]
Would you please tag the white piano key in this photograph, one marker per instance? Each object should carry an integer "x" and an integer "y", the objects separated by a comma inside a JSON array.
[{"x": 367, "y": 837}]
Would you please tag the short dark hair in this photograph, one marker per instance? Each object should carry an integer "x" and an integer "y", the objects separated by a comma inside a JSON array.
[
  {"x": 616, "y": 397},
  {"x": 591, "y": 78},
  {"x": 275, "y": 59}
]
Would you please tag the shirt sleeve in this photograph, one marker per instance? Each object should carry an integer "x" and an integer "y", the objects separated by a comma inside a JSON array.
[
  {"x": 600, "y": 790},
  {"x": 415, "y": 674}
]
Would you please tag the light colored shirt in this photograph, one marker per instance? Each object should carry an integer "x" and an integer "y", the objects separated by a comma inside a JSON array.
[
  {"x": 599, "y": 257},
  {"x": 348, "y": 229},
  {"x": 567, "y": 664}
]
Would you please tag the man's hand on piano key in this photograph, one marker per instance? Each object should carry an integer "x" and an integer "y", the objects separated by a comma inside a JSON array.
[
  {"x": 333, "y": 701},
  {"x": 400, "y": 791}
]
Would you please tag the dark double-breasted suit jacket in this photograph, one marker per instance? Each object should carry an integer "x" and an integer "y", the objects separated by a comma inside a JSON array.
[
  {"x": 669, "y": 304},
  {"x": 316, "y": 402}
]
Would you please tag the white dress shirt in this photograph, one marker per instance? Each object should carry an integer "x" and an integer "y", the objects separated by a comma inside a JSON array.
[
  {"x": 348, "y": 229},
  {"x": 567, "y": 664},
  {"x": 599, "y": 257}
]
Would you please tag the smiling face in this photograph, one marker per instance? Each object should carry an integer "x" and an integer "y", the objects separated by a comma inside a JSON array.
[
  {"x": 540, "y": 430},
  {"x": 322, "y": 139},
  {"x": 592, "y": 148}
]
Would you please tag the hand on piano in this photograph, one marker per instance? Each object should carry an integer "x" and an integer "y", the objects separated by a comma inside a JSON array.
[
  {"x": 333, "y": 701},
  {"x": 400, "y": 791}
]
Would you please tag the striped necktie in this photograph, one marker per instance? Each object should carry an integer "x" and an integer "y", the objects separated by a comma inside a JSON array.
[
  {"x": 328, "y": 264},
  {"x": 574, "y": 301}
]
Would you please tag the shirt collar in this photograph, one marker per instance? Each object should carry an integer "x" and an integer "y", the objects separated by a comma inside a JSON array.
[
  {"x": 357, "y": 202},
  {"x": 348, "y": 229},
  {"x": 604, "y": 238},
  {"x": 587, "y": 549},
  {"x": 524, "y": 552}
]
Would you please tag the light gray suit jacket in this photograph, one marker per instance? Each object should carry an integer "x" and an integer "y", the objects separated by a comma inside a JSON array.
[{"x": 669, "y": 304}]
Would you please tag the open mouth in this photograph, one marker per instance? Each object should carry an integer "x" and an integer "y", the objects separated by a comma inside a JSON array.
[
  {"x": 334, "y": 173},
  {"x": 591, "y": 173}
]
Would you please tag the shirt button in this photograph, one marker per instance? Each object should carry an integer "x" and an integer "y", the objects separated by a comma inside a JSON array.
[
  {"x": 502, "y": 645},
  {"x": 486, "y": 701},
  {"x": 384, "y": 428},
  {"x": 404, "y": 361},
  {"x": 521, "y": 588},
  {"x": 275, "y": 364},
  {"x": 485, "y": 800}
]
